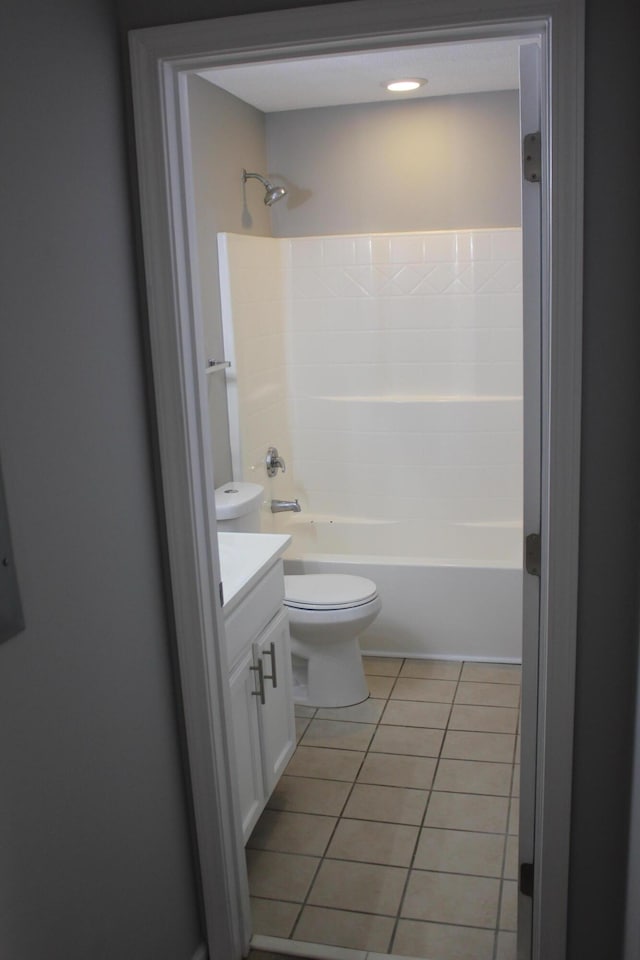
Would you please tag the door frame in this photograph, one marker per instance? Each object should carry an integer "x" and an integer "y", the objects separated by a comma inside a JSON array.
[{"x": 161, "y": 59}]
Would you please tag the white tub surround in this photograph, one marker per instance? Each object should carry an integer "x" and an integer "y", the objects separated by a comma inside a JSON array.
[{"x": 387, "y": 369}]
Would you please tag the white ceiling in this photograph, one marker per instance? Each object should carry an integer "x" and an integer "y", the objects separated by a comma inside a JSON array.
[{"x": 470, "y": 67}]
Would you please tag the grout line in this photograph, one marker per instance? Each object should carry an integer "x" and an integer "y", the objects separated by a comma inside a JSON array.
[
  {"x": 424, "y": 815},
  {"x": 430, "y": 791}
]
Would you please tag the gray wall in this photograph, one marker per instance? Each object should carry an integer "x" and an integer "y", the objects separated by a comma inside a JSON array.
[
  {"x": 95, "y": 851},
  {"x": 95, "y": 856},
  {"x": 227, "y": 135},
  {"x": 608, "y": 601},
  {"x": 431, "y": 164}
]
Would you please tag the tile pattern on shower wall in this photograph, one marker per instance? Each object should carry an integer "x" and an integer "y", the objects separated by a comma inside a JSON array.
[
  {"x": 405, "y": 380},
  {"x": 388, "y": 370}
]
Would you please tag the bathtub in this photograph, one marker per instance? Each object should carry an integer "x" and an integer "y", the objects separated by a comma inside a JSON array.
[{"x": 438, "y": 607}]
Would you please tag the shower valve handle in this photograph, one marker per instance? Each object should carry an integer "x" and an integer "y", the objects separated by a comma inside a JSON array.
[{"x": 274, "y": 462}]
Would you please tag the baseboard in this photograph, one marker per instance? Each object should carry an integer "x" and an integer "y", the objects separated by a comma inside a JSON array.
[
  {"x": 317, "y": 951},
  {"x": 412, "y": 655}
]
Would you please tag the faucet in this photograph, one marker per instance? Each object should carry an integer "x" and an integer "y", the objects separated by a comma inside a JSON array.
[
  {"x": 279, "y": 506},
  {"x": 274, "y": 462}
]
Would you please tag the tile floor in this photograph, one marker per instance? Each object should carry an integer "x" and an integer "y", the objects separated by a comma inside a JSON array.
[{"x": 394, "y": 827}]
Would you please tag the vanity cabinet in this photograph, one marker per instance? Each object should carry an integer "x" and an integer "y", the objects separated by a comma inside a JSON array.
[{"x": 261, "y": 695}]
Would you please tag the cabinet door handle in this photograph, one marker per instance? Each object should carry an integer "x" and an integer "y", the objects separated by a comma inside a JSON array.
[
  {"x": 273, "y": 675},
  {"x": 260, "y": 692}
]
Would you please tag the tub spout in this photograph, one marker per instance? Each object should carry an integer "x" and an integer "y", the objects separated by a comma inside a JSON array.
[{"x": 279, "y": 506}]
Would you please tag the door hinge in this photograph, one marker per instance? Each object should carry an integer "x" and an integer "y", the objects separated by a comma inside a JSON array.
[
  {"x": 532, "y": 157},
  {"x": 526, "y": 879},
  {"x": 532, "y": 554},
  {"x": 221, "y": 593}
]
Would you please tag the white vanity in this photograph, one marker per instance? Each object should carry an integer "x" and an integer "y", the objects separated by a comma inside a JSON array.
[{"x": 257, "y": 634}]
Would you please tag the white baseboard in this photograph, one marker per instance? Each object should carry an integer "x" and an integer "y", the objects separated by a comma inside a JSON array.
[{"x": 411, "y": 655}]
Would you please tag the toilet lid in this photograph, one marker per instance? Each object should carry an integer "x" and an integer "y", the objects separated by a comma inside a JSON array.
[{"x": 327, "y": 591}]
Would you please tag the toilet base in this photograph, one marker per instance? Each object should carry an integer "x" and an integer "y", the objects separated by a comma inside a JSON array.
[{"x": 329, "y": 675}]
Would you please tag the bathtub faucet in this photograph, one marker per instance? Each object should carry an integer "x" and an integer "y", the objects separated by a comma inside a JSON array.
[{"x": 279, "y": 506}]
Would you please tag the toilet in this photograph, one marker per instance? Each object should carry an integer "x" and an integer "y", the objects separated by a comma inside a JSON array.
[{"x": 327, "y": 614}]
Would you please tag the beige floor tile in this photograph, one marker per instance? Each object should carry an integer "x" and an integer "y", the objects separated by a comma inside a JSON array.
[
  {"x": 483, "y": 719},
  {"x": 412, "y": 688},
  {"x": 507, "y": 946},
  {"x": 514, "y": 817},
  {"x": 380, "y": 686},
  {"x": 280, "y": 876},
  {"x": 442, "y": 942},
  {"x": 288, "y": 832},
  {"x": 307, "y": 795},
  {"x": 369, "y": 711},
  {"x": 357, "y": 931},
  {"x": 407, "y": 713},
  {"x": 511, "y": 859},
  {"x": 371, "y": 841},
  {"x": 492, "y": 672},
  {"x": 460, "y": 851},
  {"x": 325, "y": 764},
  {"x": 509, "y": 906},
  {"x": 273, "y": 918},
  {"x": 382, "y": 666},
  {"x": 338, "y": 734},
  {"x": 301, "y": 710},
  {"x": 473, "y": 776},
  {"x": 266, "y": 955},
  {"x": 410, "y": 741},
  {"x": 431, "y": 669},
  {"x": 488, "y": 694},
  {"x": 459, "y": 811},
  {"x": 466, "y": 745},
  {"x": 515, "y": 786},
  {"x": 451, "y": 898},
  {"x": 363, "y": 887},
  {"x": 390, "y": 771},
  {"x": 301, "y": 725},
  {"x": 391, "y": 804}
]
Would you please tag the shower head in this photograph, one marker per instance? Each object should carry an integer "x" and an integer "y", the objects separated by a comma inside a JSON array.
[{"x": 272, "y": 193}]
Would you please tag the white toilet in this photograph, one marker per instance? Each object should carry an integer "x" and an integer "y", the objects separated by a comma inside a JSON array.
[{"x": 327, "y": 614}]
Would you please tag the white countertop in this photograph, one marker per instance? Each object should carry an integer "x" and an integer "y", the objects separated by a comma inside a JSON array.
[{"x": 244, "y": 559}]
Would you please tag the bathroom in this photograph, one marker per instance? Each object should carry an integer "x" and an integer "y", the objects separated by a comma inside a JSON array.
[{"x": 376, "y": 322}]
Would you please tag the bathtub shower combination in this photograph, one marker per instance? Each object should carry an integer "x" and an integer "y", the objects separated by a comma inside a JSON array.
[{"x": 387, "y": 369}]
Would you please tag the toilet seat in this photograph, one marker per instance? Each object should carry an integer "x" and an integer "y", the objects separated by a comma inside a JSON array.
[{"x": 327, "y": 591}]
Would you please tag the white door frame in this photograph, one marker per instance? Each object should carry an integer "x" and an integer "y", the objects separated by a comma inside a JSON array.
[{"x": 161, "y": 59}]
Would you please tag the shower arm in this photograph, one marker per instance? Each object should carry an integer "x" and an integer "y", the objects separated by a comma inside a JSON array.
[{"x": 256, "y": 176}]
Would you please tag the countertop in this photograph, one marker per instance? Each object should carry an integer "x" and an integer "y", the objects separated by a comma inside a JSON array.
[{"x": 244, "y": 559}]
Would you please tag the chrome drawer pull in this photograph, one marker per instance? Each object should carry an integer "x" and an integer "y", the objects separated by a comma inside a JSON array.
[
  {"x": 260, "y": 692},
  {"x": 273, "y": 675}
]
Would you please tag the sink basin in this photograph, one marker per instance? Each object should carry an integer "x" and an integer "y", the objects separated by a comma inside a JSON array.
[{"x": 244, "y": 559}]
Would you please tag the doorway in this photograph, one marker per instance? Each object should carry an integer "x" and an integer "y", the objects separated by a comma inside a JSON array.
[{"x": 187, "y": 462}]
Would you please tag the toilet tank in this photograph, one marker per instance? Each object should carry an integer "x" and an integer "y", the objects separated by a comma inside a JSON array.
[{"x": 238, "y": 506}]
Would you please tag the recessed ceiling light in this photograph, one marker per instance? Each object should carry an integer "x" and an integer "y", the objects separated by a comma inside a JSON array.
[{"x": 403, "y": 86}]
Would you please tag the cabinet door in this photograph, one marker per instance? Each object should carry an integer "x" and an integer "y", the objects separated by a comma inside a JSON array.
[
  {"x": 277, "y": 722},
  {"x": 246, "y": 737}
]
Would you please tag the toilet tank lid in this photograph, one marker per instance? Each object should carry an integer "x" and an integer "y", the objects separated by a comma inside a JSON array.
[{"x": 237, "y": 498}]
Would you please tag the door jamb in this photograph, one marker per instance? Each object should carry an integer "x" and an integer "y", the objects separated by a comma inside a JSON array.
[{"x": 160, "y": 58}]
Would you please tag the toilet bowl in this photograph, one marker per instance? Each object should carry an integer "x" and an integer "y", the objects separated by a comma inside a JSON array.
[{"x": 327, "y": 614}]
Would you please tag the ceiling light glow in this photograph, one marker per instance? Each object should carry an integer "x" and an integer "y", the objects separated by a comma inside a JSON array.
[{"x": 403, "y": 86}]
